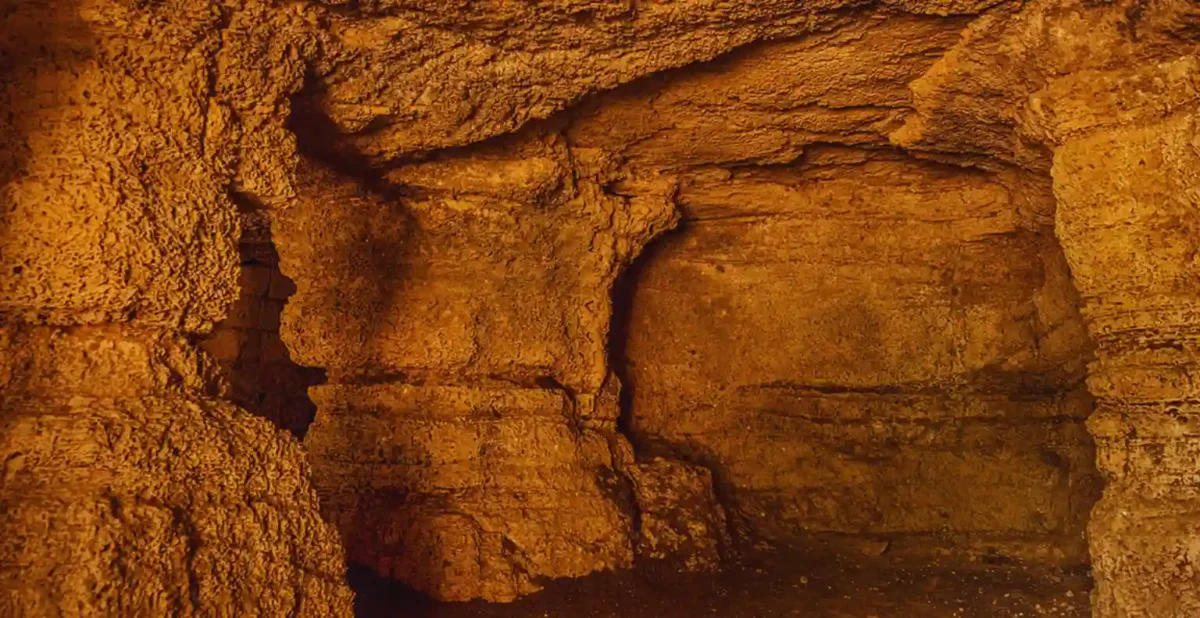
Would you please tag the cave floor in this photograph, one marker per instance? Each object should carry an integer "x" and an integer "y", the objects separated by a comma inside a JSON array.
[{"x": 769, "y": 587}]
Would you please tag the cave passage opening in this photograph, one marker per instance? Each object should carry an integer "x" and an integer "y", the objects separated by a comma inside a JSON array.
[{"x": 253, "y": 359}]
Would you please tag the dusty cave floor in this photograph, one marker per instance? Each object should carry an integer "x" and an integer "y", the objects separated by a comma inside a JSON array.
[{"x": 769, "y": 586}]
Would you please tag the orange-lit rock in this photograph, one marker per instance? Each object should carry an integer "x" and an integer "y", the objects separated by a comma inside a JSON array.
[{"x": 562, "y": 285}]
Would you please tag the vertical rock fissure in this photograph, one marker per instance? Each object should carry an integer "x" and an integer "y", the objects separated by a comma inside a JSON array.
[
  {"x": 261, "y": 376},
  {"x": 655, "y": 501}
]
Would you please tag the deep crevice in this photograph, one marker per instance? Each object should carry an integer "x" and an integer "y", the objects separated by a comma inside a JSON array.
[{"x": 263, "y": 378}]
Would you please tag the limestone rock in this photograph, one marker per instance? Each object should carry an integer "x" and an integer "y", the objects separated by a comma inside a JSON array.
[
  {"x": 402, "y": 77},
  {"x": 1121, "y": 191},
  {"x": 122, "y": 497},
  {"x": 898, "y": 339},
  {"x": 470, "y": 460},
  {"x": 128, "y": 487},
  {"x": 680, "y": 520},
  {"x": 918, "y": 243},
  {"x": 466, "y": 492}
]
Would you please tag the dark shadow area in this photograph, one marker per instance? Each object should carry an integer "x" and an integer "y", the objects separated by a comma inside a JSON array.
[
  {"x": 321, "y": 140},
  {"x": 263, "y": 378},
  {"x": 376, "y": 596},
  {"x": 356, "y": 221},
  {"x": 765, "y": 586}
]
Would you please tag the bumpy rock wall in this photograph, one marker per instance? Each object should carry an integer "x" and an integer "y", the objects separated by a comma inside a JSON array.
[
  {"x": 952, "y": 356},
  {"x": 1123, "y": 189},
  {"x": 864, "y": 268},
  {"x": 474, "y": 456},
  {"x": 127, "y": 487},
  {"x": 856, "y": 340},
  {"x": 1111, "y": 91}
]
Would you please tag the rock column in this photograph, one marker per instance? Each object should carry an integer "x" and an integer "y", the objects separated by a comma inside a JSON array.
[
  {"x": 1129, "y": 220},
  {"x": 127, "y": 486}
]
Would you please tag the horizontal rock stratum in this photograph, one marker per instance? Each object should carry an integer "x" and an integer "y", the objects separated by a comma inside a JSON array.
[{"x": 580, "y": 284}]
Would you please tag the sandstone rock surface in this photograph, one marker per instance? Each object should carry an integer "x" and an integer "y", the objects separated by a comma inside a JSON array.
[
  {"x": 1120, "y": 191},
  {"x": 867, "y": 343},
  {"x": 475, "y": 458},
  {"x": 578, "y": 277},
  {"x": 125, "y": 492},
  {"x": 128, "y": 488},
  {"x": 680, "y": 521}
]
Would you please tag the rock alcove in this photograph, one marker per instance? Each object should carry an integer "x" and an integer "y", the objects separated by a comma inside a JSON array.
[{"x": 599, "y": 307}]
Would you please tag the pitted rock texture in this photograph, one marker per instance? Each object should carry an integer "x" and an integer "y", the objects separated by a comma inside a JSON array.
[
  {"x": 1121, "y": 191},
  {"x": 124, "y": 494},
  {"x": 163, "y": 506},
  {"x": 128, "y": 488},
  {"x": 864, "y": 292},
  {"x": 681, "y": 523},
  {"x": 116, "y": 193}
]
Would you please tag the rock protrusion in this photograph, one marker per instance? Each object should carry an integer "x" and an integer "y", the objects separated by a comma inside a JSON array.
[{"x": 680, "y": 521}]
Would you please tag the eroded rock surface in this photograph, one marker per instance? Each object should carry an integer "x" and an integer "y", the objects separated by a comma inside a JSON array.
[
  {"x": 864, "y": 324},
  {"x": 1110, "y": 92},
  {"x": 865, "y": 343},
  {"x": 125, "y": 494},
  {"x": 128, "y": 488},
  {"x": 1120, "y": 191},
  {"x": 476, "y": 457},
  {"x": 681, "y": 523}
]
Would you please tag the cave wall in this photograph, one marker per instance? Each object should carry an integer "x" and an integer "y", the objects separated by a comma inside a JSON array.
[
  {"x": 868, "y": 115},
  {"x": 1111, "y": 90},
  {"x": 863, "y": 343},
  {"x": 857, "y": 340},
  {"x": 455, "y": 189},
  {"x": 472, "y": 458},
  {"x": 128, "y": 487},
  {"x": 1122, "y": 189}
]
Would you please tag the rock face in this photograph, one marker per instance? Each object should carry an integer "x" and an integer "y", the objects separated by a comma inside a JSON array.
[
  {"x": 865, "y": 343},
  {"x": 126, "y": 491},
  {"x": 1110, "y": 91},
  {"x": 1122, "y": 190},
  {"x": 879, "y": 270},
  {"x": 467, "y": 492},
  {"x": 123, "y": 496},
  {"x": 679, "y": 519},
  {"x": 127, "y": 488},
  {"x": 471, "y": 459},
  {"x": 263, "y": 379}
]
